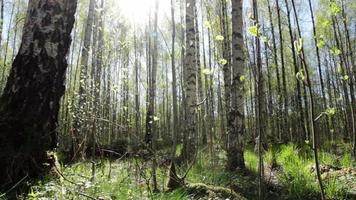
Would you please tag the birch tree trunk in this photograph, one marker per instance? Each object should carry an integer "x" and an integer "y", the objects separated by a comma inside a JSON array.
[
  {"x": 190, "y": 70},
  {"x": 236, "y": 127},
  {"x": 30, "y": 103}
]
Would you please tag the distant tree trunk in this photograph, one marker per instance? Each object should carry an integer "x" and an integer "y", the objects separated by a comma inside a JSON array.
[
  {"x": 311, "y": 121},
  {"x": 174, "y": 84},
  {"x": 303, "y": 115},
  {"x": 226, "y": 51},
  {"x": 2, "y": 82},
  {"x": 209, "y": 125},
  {"x": 279, "y": 100},
  {"x": 261, "y": 105},
  {"x": 30, "y": 104},
  {"x": 201, "y": 95},
  {"x": 300, "y": 118},
  {"x": 317, "y": 50},
  {"x": 352, "y": 75},
  {"x": 343, "y": 65},
  {"x": 235, "y": 123},
  {"x": 9, "y": 28},
  {"x": 15, "y": 31},
  {"x": 190, "y": 81},
  {"x": 1, "y": 22},
  {"x": 97, "y": 71},
  {"x": 151, "y": 136},
  {"x": 285, "y": 128},
  {"x": 137, "y": 92},
  {"x": 209, "y": 79},
  {"x": 79, "y": 139}
]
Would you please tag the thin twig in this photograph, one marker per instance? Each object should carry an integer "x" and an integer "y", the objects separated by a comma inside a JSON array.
[{"x": 13, "y": 187}]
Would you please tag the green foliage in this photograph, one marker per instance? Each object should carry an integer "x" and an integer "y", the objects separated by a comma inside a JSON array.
[
  {"x": 328, "y": 159},
  {"x": 320, "y": 42},
  {"x": 335, "y": 190},
  {"x": 331, "y": 111},
  {"x": 207, "y": 71},
  {"x": 335, "y": 51},
  {"x": 268, "y": 156},
  {"x": 201, "y": 172},
  {"x": 121, "y": 184},
  {"x": 345, "y": 78},
  {"x": 179, "y": 149},
  {"x": 251, "y": 160},
  {"x": 219, "y": 38},
  {"x": 254, "y": 30},
  {"x": 299, "y": 44},
  {"x": 222, "y": 61},
  {"x": 300, "y": 76},
  {"x": 175, "y": 195},
  {"x": 335, "y": 8},
  {"x": 346, "y": 160},
  {"x": 296, "y": 176}
]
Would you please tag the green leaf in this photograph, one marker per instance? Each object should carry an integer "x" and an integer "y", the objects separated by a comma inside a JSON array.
[
  {"x": 335, "y": 51},
  {"x": 222, "y": 61},
  {"x": 345, "y": 78},
  {"x": 320, "y": 43},
  {"x": 339, "y": 69},
  {"x": 335, "y": 8},
  {"x": 325, "y": 23},
  {"x": 219, "y": 38},
  {"x": 207, "y": 72},
  {"x": 253, "y": 30},
  {"x": 299, "y": 44},
  {"x": 242, "y": 78},
  {"x": 207, "y": 24},
  {"x": 300, "y": 76},
  {"x": 330, "y": 111}
]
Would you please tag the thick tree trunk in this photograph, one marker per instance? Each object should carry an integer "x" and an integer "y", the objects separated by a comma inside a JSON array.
[
  {"x": 236, "y": 127},
  {"x": 30, "y": 103}
]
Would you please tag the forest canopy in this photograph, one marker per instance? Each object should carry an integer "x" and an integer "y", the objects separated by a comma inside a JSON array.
[{"x": 177, "y": 99}]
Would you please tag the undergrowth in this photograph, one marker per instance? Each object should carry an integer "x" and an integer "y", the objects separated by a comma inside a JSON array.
[{"x": 132, "y": 178}]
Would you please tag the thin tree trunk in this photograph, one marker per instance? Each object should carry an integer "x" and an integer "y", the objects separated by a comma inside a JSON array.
[
  {"x": 174, "y": 84},
  {"x": 190, "y": 81},
  {"x": 285, "y": 128},
  {"x": 79, "y": 139}
]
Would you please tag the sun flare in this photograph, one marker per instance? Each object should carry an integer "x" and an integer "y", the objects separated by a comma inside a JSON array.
[{"x": 137, "y": 11}]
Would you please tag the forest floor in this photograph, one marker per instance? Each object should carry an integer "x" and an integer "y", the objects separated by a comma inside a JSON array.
[{"x": 131, "y": 178}]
